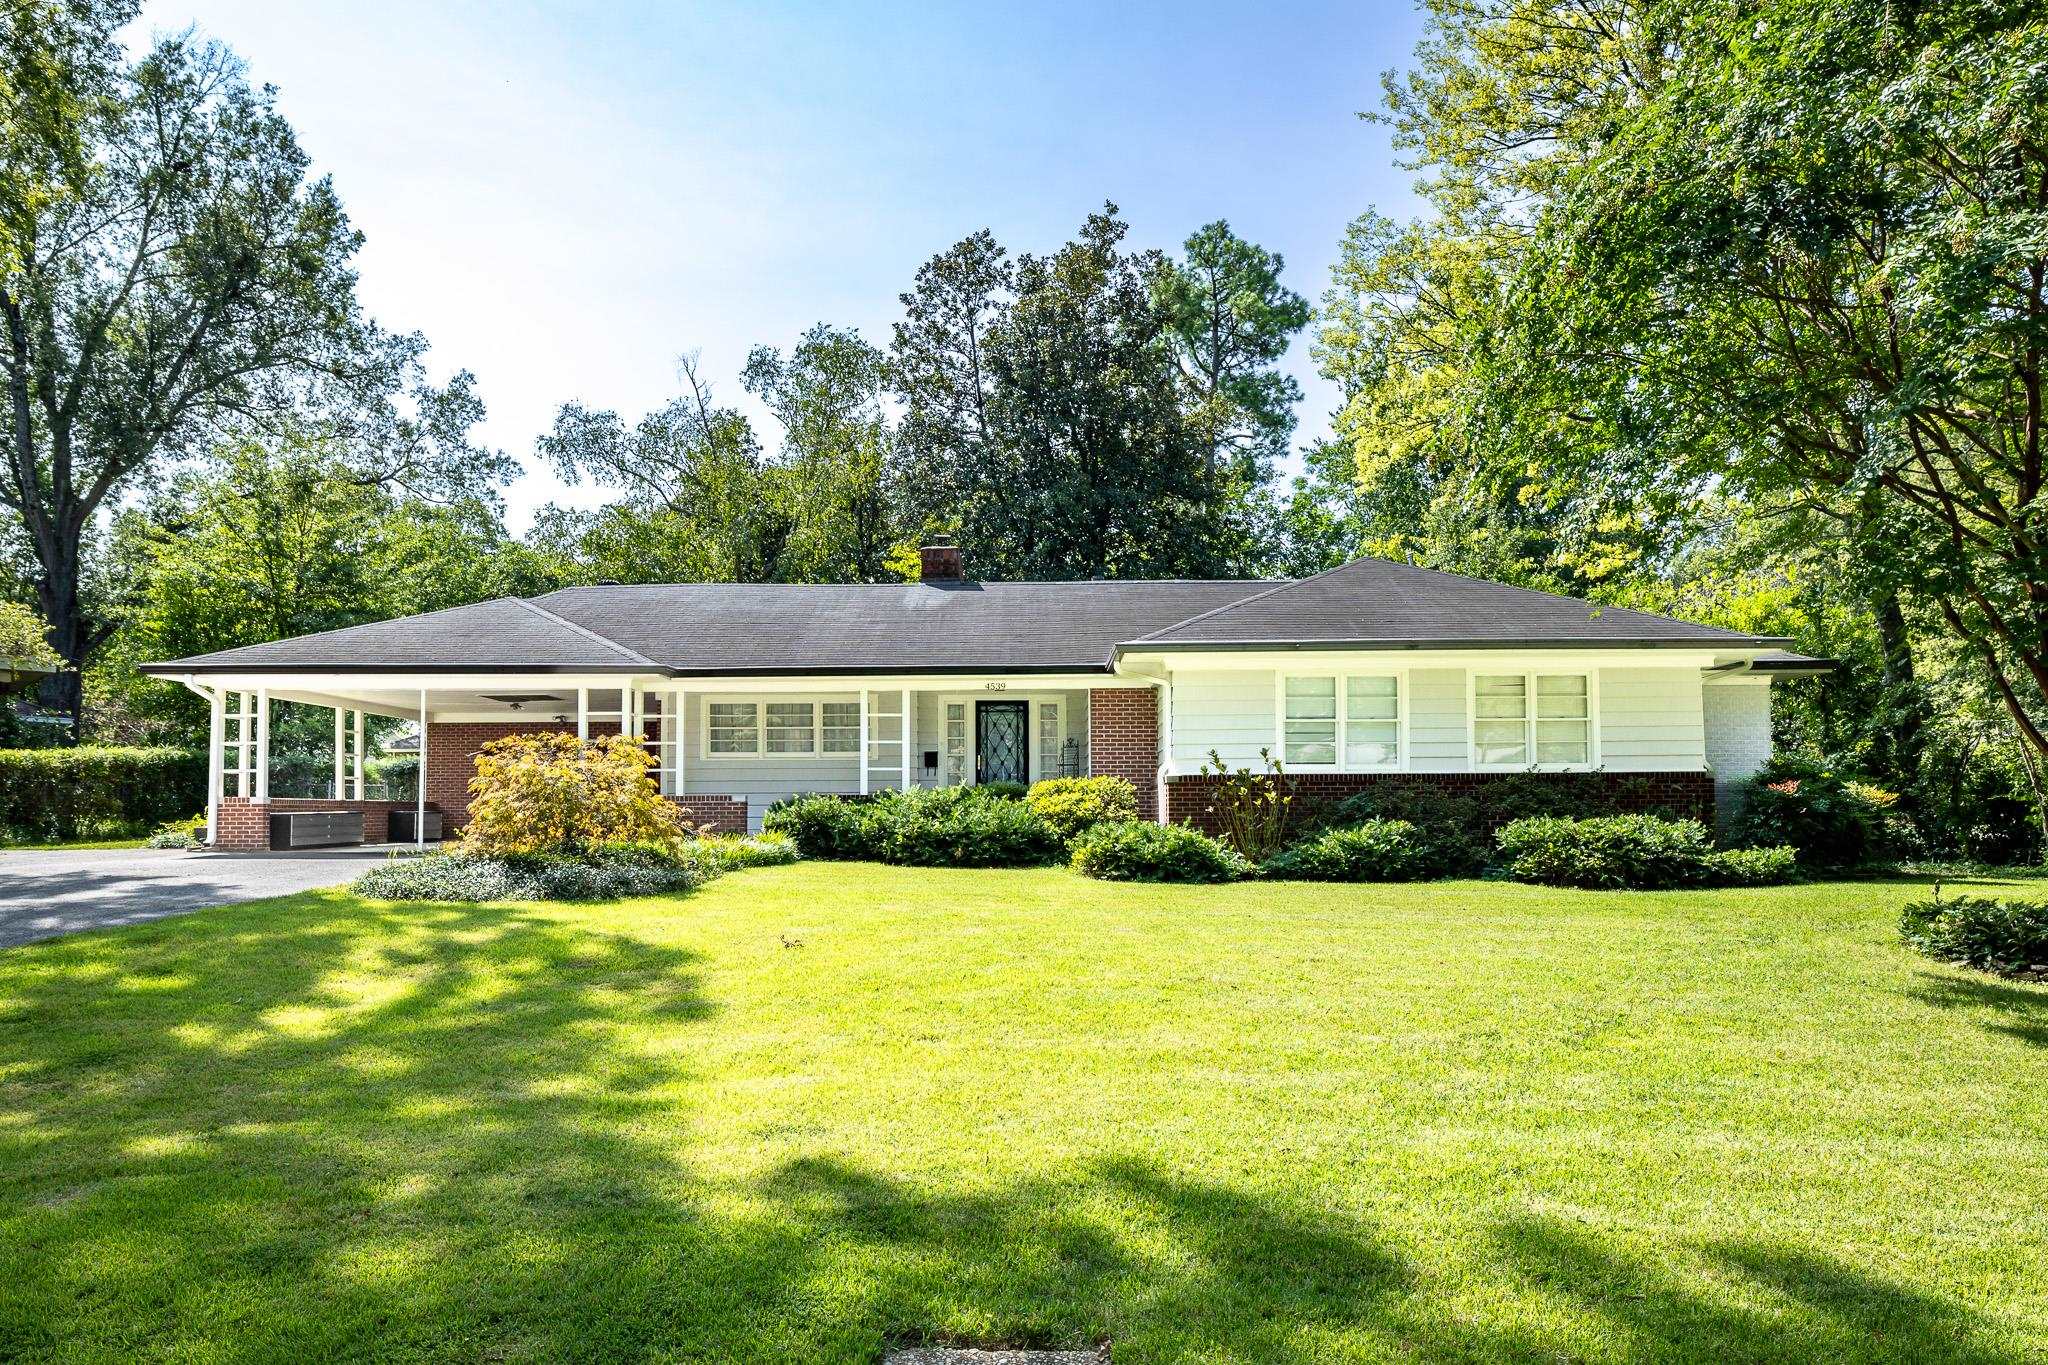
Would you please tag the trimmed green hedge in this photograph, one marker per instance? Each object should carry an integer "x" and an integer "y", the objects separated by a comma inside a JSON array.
[
  {"x": 1370, "y": 851},
  {"x": 947, "y": 827},
  {"x": 1633, "y": 852},
  {"x": 1138, "y": 851},
  {"x": 56, "y": 795}
]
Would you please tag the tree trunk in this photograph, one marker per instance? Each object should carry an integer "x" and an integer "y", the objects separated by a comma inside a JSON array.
[
  {"x": 1905, "y": 704},
  {"x": 70, "y": 633}
]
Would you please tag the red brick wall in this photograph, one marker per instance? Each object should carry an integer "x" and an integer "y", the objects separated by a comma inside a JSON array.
[
  {"x": 715, "y": 814},
  {"x": 245, "y": 826},
  {"x": 1123, "y": 740},
  {"x": 1188, "y": 798}
]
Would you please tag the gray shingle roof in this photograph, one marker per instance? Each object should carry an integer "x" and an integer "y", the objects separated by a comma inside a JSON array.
[
  {"x": 1380, "y": 602},
  {"x": 887, "y": 627},
  {"x": 503, "y": 634},
  {"x": 742, "y": 628}
]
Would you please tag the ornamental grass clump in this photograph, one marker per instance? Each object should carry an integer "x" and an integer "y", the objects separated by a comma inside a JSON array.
[{"x": 557, "y": 794}]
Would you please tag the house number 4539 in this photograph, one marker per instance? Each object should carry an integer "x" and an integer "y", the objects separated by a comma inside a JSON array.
[{"x": 995, "y": 687}]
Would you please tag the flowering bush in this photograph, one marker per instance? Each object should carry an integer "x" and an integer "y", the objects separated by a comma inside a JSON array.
[{"x": 555, "y": 793}]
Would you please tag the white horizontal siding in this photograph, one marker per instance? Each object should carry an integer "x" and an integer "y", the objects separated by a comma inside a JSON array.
[
  {"x": 1437, "y": 738},
  {"x": 1651, "y": 720},
  {"x": 763, "y": 780},
  {"x": 1229, "y": 711}
]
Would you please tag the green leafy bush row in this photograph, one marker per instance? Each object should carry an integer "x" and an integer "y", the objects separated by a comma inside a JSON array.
[
  {"x": 1370, "y": 851},
  {"x": 1138, "y": 851},
  {"x": 2005, "y": 936},
  {"x": 944, "y": 827},
  {"x": 61, "y": 794},
  {"x": 1634, "y": 852}
]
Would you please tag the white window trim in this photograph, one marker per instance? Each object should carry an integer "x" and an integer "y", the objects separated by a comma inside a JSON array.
[
  {"x": 703, "y": 703},
  {"x": 1343, "y": 677},
  {"x": 1529, "y": 676}
]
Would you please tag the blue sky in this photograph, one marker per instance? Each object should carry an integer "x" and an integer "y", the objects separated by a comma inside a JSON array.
[{"x": 564, "y": 198}]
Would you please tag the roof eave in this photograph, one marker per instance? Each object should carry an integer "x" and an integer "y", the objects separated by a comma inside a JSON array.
[{"x": 1662, "y": 642}]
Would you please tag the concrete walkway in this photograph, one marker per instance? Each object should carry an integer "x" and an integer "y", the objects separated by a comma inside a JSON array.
[{"x": 44, "y": 894}]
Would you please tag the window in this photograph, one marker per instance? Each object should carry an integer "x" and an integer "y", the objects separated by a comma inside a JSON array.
[
  {"x": 1350, "y": 724},
  {"x": 1372, "y": 723},
  {"x": 1563, "y": 721},
  {"x": 1309, "y": 727},
  {"x": 786, "y": 727},
  {"x": 842, "y": 727},
  {"x": 1048, "y": 739},
  {"x": 1500, "y": 720},
  {"x": 733, "y": 727},
  {"x": 792, "y": 727},
  {"x": 1523, "y": 720}
]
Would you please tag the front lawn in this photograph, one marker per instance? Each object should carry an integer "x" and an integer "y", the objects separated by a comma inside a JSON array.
[{"x": 812, "y": 1109}]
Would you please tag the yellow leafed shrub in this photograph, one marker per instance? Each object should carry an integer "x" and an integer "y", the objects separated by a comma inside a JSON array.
[{"x": 554, "y": 793}]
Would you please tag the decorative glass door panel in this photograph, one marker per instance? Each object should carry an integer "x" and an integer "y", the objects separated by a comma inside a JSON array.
[
  {"x": 953, "y": 758},
  {"x": 1002, "y": 741}
]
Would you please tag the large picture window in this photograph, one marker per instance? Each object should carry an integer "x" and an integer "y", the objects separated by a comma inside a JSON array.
[
  {"x": 1522, "y": 720},
  {"x": 781, "y": 727},
  {"x": 1348, "y": 722}
]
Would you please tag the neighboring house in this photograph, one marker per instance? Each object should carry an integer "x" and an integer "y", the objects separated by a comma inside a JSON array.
[{"x": 747, "y": 693}]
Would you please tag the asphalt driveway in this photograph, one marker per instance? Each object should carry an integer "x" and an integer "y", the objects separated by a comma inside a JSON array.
[{"x": 43, "y": 895}]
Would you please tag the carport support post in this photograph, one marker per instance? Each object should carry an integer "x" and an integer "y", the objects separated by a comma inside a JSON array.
[
  {"x": 340, "y": 755},
  {"x": 419, "y": 788},
  {"x": 359, "y": 756},
  {"x": 262, "y": 796},
  {"x": 217, "y": 732}
]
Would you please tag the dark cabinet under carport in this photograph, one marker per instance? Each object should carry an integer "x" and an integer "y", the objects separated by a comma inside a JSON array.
[{"x": 315, "y": 828}]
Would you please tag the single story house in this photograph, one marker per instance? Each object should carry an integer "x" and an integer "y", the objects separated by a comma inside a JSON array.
[{"x": 748, "y": 693}]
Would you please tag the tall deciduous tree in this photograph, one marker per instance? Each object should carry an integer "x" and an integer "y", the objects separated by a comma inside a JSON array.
[
  {"x": 1048, "y": 419},
  {"x": 193, "y": 279},
  {"x": 827, "y": 393},
  {"x": 698, "y": 503}
]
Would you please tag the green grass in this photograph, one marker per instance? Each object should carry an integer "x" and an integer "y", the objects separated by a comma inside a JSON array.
[
  {"x": 139, "y": 841},
  {"x": 813, "y": 1109}
]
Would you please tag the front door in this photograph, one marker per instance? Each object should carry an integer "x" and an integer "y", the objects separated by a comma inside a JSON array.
[{"x": 1002, "y": 741}]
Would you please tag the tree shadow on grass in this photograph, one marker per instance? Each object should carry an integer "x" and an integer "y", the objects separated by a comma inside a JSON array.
[
  {"x": 1776, "y": 1304},
  {"x": 318, "y": 1129},
  {"x": 2017, "y": 1011},
  {"x": 323, "y": 1129}
]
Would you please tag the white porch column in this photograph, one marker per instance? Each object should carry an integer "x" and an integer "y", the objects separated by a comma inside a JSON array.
[
  {"x": 217, "y": 732},
  {"x": 245, "y": 744},
  {"x": 340, "y": 754},
  {"x": 1165, "y": 742},
  {"x": 583, "y": 713},
  {"x": 360, "y": 756},
  {"x": 263, "y": 745},
  {"x": 419, "y": 790},
  {"x": 908, "y": 732},
  {"x": 866, "y": 740},
  {"x": 682, "y": 738}
]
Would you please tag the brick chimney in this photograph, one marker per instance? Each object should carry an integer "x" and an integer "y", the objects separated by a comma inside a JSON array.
[{"x": 939, "y": 562}]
